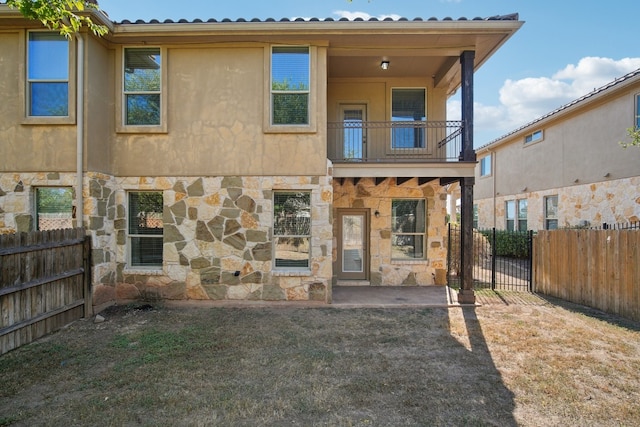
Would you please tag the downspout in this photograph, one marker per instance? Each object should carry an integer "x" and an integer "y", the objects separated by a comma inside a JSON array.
[{"x": 80, "y": 131}]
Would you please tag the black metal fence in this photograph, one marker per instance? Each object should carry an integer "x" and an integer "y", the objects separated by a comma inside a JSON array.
[
  {"x": 502, "y": 260},
  {"x": 618, "y": 226}
]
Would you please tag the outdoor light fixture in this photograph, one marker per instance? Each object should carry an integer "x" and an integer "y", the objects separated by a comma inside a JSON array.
[
  {"x": 384, "y": 65},
  {"x": 377, "y": 214}
]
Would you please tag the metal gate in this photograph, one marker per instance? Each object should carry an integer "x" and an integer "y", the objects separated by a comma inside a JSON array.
[{"x": 502, "y": 260}]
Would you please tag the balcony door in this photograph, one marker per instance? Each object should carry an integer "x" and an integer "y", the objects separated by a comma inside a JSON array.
[
  {"x": 354, "y": 135},
  {"x": 353, "y": 244}
]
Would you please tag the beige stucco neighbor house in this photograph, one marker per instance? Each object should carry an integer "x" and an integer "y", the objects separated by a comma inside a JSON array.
[
  {"x": 242, "y": 160},
  {"x": 565, "y": 169}
]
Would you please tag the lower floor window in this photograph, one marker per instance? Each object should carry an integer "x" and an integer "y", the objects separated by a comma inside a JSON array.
[
  {"x": 522, "y": 215},
  {"x": 510, "y": 214},
  {"x": 551, "y": 212},
  {"x": 54, "y": 208},
  {"x": 409, "y": 222},
  {"x": 292, "y": 229},
  {"x": 145, "y": 229}
]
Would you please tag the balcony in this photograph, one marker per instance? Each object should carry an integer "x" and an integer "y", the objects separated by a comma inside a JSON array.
[{"x": 394, "y": 142}]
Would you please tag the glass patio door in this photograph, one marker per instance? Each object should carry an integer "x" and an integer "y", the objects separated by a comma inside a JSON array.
[
  {"x": 353, "y": 244},
  {"x": 354, "y": 136}
]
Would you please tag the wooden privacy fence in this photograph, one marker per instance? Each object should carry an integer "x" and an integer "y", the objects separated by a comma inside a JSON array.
[
  {"x": 44, "y": 283},
  {"x": 597, "y": 268}
]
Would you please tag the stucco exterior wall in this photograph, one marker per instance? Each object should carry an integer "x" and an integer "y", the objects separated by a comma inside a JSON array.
[
  {"x": 50, "y": 148},
  {"x": 216, "y": 102},
  {"x": 579, "y": 159},
  {"x": 100, "y": 101},
  {"x": 383, "y": 269},
  {"x": 616, "y": 201}
]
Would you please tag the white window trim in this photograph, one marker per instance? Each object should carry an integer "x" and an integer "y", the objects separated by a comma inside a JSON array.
[
  {"x": 290, "y": 271},
  {"x": 311, "y": 127},
  {"x": 121, "y": 126},
  {"x": 489, "y": 156},
  {"x": 70, "y": 118},
  {"x": 424, "y": 239},
  {"x": 506, "y": 214},
  {"x": 526, "y": 218},
  {"x": 636, "y": 109},
  {"x": 532, "y": 135},
  {"x": 129, "y": 267},
  {"x": 544, "y": 212}
]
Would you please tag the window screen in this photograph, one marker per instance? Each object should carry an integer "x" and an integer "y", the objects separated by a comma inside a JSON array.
[
  {"x": 292, "y": 229},
  {"x": 145, "y": 229},
  {"x": 142, "y": 86},
  {"x": 290, "y": 85},
  {"x": 409, "y": 221},
  {"x": 48, "y": 74},
  {"x": 408, "y": 106},
  {"x": 54, "y": 208}
]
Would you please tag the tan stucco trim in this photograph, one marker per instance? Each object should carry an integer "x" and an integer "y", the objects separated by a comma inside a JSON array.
[{"x": 121, "y": 127}]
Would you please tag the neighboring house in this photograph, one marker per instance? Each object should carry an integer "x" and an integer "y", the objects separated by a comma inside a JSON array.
[
  {"x": 256, "y": 160},
  {"x": 567, "y": 168}
]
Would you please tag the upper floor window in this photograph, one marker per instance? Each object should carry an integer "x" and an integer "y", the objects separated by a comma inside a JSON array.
[
  {"x": 485, "y": 165},
  {"x": 409, "y": 221},
  {"x": 142, "y": 86},
  {"x": 534, "y": 137},
  {"x": 551, "y": 212},
  {"x": 292, "y": 229},
  {"x": 407, "y": 107},
  {"x": 47, "y": 75},
  {"x": 637, "y": 121},
  {"x": 290, "y": 85}
]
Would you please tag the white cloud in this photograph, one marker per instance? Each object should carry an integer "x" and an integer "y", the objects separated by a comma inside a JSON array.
[
  {"x": 524, "y": 100},
  {"x": 363, "y": 15}
]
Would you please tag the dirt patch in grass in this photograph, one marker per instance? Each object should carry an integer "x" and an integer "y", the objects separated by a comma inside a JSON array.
[{"x": 530, "y": 364}]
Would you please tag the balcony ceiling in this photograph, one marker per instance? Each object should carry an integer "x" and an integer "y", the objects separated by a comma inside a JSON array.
[{"x": 436, "y": 56}]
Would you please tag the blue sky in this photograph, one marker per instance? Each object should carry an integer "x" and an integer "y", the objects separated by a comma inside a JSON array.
[{"x": 565, "y": 49}]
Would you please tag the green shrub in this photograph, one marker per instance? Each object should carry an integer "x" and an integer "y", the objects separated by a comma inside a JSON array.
[{"x": 513, "y": 244}]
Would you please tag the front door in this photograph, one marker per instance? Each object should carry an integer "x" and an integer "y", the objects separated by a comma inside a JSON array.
[
  {"x": 353, "y": 244},
  {"x": 354, "y": 137}
]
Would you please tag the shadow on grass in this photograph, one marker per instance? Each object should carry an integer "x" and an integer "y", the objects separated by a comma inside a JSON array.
[
  {"x": 595, "y": 313},
  {"x": 261, "y": 366}
]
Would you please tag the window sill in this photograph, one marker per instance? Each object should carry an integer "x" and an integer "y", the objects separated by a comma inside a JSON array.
[
  {"x": 162, "y": 129},
  {"x": 291, "y": 273},
  {"x": 47, "y": 120},
  {"x": 290, "y": 129},
  {"x": 409, "y": 261},
  {"x": 152, "y": 271}
]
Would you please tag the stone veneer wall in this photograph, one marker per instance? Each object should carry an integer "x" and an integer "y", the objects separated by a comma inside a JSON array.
[
  {"x": 218, "y": 240},
  {"x": 17, "y": 197},
  {"x": 385, "y": 271},
  {"x": 615, "y": 201},
  {"x": 217, "y": 235}
]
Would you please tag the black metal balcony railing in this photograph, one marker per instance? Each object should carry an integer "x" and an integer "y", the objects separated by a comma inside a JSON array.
[{"x": 407, "y": 141}]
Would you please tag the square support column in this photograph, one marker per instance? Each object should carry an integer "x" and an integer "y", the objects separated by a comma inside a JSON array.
[{"x": 466, "y": 294}]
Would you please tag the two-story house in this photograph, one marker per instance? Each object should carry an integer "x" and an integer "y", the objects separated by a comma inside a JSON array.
[
  {"x": 566, "y": 168},
  {"x": 248, "y": 159}
]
